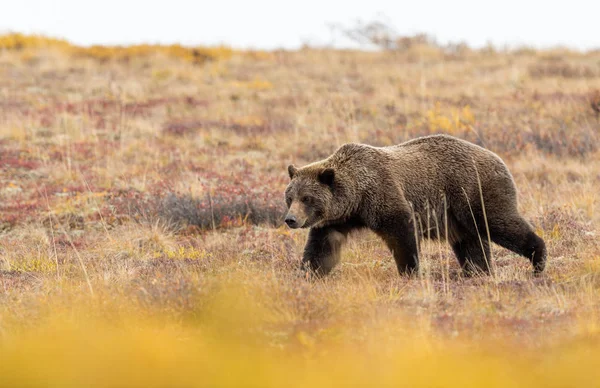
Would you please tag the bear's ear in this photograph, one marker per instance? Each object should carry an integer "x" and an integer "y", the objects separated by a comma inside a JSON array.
[
  {"x": 327, "y": 176},
  {"x": 292, "y": 170}
]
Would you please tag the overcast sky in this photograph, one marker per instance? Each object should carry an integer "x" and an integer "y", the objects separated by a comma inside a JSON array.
[{"x": 289, "y": 24}]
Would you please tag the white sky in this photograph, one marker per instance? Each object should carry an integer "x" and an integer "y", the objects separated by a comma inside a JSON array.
[{"x": 273, "y": 24}]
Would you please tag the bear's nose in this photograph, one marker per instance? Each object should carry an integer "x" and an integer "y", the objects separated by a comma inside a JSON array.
[{"x": 291, "y": 221}]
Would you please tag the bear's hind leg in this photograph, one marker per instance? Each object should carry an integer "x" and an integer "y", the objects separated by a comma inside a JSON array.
[
  {"x": 323, "y": 249},
  {"x": 473, "y": 255},
  {"x": 516, "y": 235}
]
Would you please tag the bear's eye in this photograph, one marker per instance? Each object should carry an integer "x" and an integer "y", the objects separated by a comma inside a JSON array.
[{"x": 305, "y": 199}]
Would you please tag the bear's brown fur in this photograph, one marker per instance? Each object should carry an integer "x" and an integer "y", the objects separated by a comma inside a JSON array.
[{"x": 430, "y": 187}]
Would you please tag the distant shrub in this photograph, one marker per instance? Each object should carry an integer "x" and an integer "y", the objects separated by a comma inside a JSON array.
[
  {"x": 220, "y": 211},
  {"x": 563, "y": 141},
  {"x": 244, "y": 125},
  {"x": 563, "y": 70},
  {"x": 381, "y": 34},
  {"x": 558, "y": 140}
]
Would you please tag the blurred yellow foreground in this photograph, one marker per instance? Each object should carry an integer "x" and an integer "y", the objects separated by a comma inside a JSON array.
[{"x": 234, "y": 342}]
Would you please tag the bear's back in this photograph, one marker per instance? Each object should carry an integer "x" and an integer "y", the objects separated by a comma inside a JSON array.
[
  {"x": 447, "y": 155},
  {"x": 427, "y": 166},
  {"x": 441, "y": 147}
]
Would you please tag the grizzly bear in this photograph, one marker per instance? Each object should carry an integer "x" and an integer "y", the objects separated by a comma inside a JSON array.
[{"x": 431, "y": 187}]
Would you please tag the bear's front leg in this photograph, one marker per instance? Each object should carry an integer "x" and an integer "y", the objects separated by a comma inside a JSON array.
[
  {"x": 399, "y": 235},
  {"x": 323, "y": 250}
]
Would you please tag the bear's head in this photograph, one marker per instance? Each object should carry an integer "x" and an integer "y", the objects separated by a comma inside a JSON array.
[{"x": 309, "y": 196}]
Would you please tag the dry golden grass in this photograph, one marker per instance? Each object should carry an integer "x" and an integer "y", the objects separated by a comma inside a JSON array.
[{"x": 140, "y": 219}]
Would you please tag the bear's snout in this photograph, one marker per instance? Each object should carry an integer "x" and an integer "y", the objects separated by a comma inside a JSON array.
[
  {"x": 296, "y": 216},
  {"x": 291, "y": 221}
]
